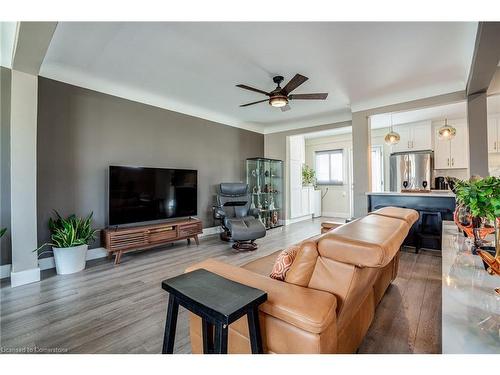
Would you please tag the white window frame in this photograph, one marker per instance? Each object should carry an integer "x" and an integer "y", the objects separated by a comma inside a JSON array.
[
  {"x": 330, "y": 181},
  {"x": 380, "y": 149}
]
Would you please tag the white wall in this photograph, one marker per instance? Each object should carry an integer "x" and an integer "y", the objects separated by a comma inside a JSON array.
[
  {"x": 336, "y": 201},
  {"x": 377, "y": 139},
  {"x": 24, "y": 96}
]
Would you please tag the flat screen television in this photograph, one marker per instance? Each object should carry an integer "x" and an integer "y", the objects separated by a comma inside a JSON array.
[{"x": 139, "y": 194}]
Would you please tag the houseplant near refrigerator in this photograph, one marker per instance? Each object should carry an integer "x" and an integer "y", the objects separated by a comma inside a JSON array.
[{"x": 70, "y": 237}]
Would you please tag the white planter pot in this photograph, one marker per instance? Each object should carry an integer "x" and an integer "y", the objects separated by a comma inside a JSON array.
[{"x": 70, "y": 259}]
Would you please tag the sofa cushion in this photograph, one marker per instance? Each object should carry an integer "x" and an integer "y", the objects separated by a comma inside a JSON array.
[
  {"x": 284, "y": 262},
  {"x": 371, "y": 241},
  {"x": 406, "y": 214},
  {"x": 302, "y": 267},
  {"x": 263, "y": 265}
]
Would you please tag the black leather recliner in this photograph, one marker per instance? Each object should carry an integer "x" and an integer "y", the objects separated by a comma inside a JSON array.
[{"x": 239, "y": 221}]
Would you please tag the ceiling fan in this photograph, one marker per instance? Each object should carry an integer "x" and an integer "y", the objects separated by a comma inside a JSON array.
[{"x": 280, "y": 97}]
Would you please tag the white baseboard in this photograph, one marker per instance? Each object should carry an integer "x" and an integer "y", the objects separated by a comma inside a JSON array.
[
  {"x": 24, "y": 277},
  {"x": 5, "y": 271},
  {"x": 211, "y": 231},
  {"x": 297, "y": 219},
  {"x": 342, "y": 215}
]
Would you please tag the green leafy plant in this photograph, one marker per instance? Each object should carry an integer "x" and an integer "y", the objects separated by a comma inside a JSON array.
[
  {"x": 481, "y": 196},
  {"x": 69, "y": 232},
  {"x": 2, "y": 232},
  {"x": 308, "y": 175}
]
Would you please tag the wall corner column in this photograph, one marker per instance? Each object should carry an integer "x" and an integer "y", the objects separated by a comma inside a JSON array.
[
  {"x": 361, "y": 162},
  {"x": 23, "y": 132},
  {"x": 477, "y": 118}
]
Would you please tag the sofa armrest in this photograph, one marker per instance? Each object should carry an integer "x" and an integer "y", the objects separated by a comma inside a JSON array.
[{"x": 309, "y": 309}]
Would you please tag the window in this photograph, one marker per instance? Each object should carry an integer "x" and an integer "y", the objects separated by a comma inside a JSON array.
[
  {"x": 330, "y": 167},
  {"x": 377, "y": 169}
]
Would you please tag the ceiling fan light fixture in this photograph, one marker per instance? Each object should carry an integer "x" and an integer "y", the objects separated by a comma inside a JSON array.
[
  {"x": 278, "y": 101},
  {"x": 446, "y": 131}
]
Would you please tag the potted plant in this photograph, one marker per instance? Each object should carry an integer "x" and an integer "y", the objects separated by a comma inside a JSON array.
[
  {"x": 308, "y": 175},
  {"x": 69, "y": 240},
  {"x": 481, "y": 197}
]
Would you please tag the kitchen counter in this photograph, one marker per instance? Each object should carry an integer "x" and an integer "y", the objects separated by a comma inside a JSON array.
[
  {"x": 428, "y": 206},
  {"x": 433, "y": 193},
  {"x": 471, "y": 307}
]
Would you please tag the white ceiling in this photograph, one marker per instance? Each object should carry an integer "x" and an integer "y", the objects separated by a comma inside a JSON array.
[{"x": 193, "y": 67}]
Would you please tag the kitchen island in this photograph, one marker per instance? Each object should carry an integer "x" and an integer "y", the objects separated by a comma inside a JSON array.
[
  {"x": 427, "y": 204},
  {"x": 471, "y": 307}
]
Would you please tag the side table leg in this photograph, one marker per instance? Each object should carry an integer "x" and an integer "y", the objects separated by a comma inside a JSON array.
[
  {"x": 254, "y": 330},
  {"x": 170, "y": 325},
  {"x": 207, "y": 330},
  {"x": 221, "y": 338},
  {"x": 196, "y": 240}
]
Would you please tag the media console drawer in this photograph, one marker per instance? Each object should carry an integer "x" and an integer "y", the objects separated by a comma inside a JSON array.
[
  {"x": 189, "y": 229},
  {"x": 119, "y": 240}
]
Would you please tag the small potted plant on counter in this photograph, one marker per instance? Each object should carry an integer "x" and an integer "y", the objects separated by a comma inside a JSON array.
[
  {"x": 481, "y": 198},
  {"x": 70, "y": 237}
]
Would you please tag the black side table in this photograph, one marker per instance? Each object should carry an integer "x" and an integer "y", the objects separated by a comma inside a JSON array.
[{"x": 219, "y": 302}]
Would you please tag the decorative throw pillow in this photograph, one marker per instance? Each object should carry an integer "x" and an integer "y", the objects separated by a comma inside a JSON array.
[{"x": 283, "y": 263}]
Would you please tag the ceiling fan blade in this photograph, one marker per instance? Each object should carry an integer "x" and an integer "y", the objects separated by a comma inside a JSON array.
[
  {"x": 318, "y": 96},
  {"x": 286, "y": 108},
  {"x": 252, "y": 89},
  {"x": 295, "y": 82},
  {"x": 260, "y": 101}
]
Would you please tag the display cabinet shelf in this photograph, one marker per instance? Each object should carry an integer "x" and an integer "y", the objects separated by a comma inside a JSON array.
[{"x": 265, "y": 181}]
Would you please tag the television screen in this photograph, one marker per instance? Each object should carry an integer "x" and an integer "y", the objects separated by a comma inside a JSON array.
[{"x": 138, "y": 194}]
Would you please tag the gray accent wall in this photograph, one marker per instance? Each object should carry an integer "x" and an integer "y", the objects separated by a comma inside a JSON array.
[
  {"x": 81, "y": 132},
  {"x": 5, "y": 242}
]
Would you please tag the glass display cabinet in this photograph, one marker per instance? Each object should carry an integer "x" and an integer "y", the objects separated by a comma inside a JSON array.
[{"x": 266, "y": 184}]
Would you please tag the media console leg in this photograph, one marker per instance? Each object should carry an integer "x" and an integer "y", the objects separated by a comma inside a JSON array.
[
  {"x": 196, "y": 240},
  {"x": 118, "y": 256},
  {"x": 189, "y": 241}
]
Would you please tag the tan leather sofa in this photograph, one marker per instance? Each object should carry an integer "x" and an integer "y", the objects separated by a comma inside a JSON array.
[{"x": 328, "y": 299}]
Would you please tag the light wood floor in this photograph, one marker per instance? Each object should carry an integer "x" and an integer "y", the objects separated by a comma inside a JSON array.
[{"x": 121, "y": 309}]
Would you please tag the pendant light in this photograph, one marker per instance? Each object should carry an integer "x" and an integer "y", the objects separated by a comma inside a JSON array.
[
  {"x": 392, "y": 137},
  {"x": 446, "y": 131}
]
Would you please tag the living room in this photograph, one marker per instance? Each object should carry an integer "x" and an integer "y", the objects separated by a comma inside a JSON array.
[{"x": 201, "y": 187}]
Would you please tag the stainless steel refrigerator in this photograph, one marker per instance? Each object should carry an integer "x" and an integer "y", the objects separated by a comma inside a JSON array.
[{"x": 411, "y": 170}]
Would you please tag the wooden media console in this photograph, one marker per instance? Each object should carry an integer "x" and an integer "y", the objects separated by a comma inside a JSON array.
[{"x": 120, "y": 240}]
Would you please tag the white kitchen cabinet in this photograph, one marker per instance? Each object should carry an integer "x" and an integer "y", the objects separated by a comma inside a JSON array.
[
  {"x": 441, "y": 153},
  {"x": 421, "y": 136},
  {"x": 416, "y": 136},
  {"x": 493, "y": 134},
  {"x": 404, "y": 143},
  {"x": 295, "y": 188},
  {"x": 316, "y": 203},
  {"x": 297, "y": 156},
  {"x": 306, "y": 201},
  {"x": 452, "y": 154}
]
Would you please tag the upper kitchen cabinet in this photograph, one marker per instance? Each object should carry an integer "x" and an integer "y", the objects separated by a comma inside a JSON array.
[
  {"x": 493, "y": 134},
  {"x": 416, "y": 136},
  {"x": 453, "y": 153}
]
